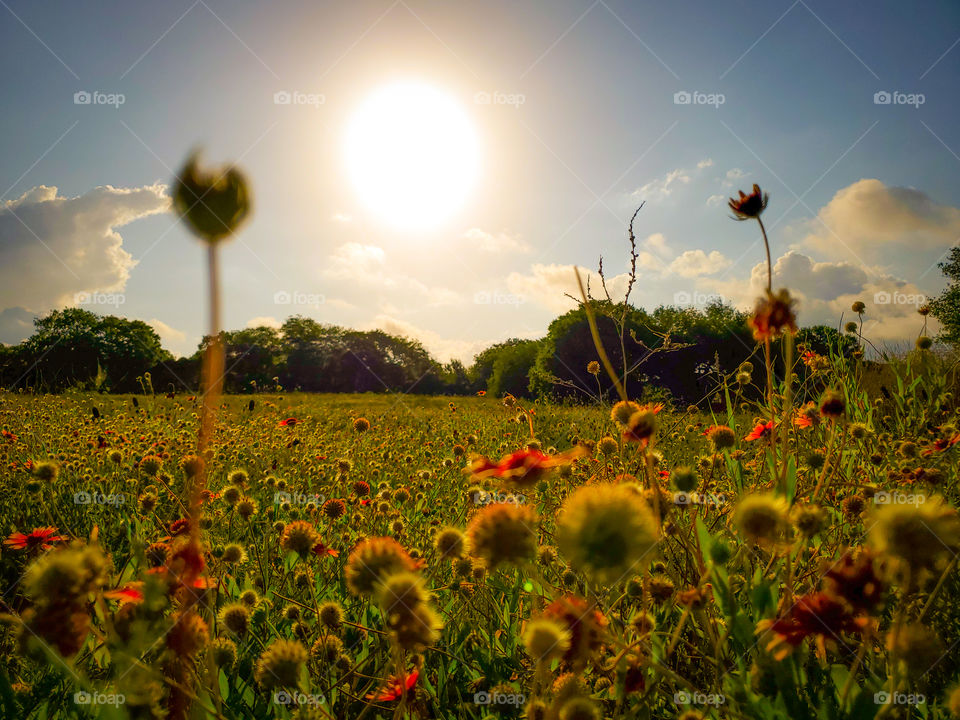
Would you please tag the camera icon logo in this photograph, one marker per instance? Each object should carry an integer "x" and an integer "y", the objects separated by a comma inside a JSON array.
[
  {"x": 282, "y": 297},
  {"x": 681, "y": 498},
  {"x": 882, "y": 298},
  {"x": 481, "y": 298},
  {"x": 82, "y": 697},
  {"x": 482, "y": 98},
  {"x": 881, "y": 698},
  {"x": 682, "y": 97},
  {"x": 282, "y": 97},
  {"x": 82, "y": 498},
  {"x": 481, "y": 698},
  {"x": 682, "y": 698},
  {"x": 282, "y": 697},
  {"x": 882, "y": 498},
  {"x": 882, "y": 97},
  {"x": 682, "y": 298},
  {"x": 82, "y": 97}
]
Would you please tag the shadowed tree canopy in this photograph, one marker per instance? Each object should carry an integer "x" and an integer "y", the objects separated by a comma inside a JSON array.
[{"x": 75, "y": 347}]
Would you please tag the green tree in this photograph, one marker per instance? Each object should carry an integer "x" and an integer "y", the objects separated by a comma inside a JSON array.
[{"x": 946, "y": 307}]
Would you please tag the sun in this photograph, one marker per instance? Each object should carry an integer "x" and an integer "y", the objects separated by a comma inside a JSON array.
[{"x": 412, "y": 155}]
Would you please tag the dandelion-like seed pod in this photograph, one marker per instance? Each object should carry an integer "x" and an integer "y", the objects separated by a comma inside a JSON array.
[
  {"x": 300, "y": 537},
  {"x": 607, "y": 531},
  {"x": 280, "y": 664},
  {"x": 503, "y": 533},
  {"x": 372, "y": 561},
  {"x": 761, "y": 518},
  {"x": 213, "y": 203}
]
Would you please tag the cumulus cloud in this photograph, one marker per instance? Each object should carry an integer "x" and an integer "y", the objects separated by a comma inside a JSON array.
[
  {"x": 708, "y": 162},
  {"x": 167, "y": 333},
  {"x": 441, "y": 348},
  {"x": 893, "y": 227},
  {"x": 826, "y": 290},
  {"x": 367, "y": 265},
  {"x": 495, "y": 242},
  {"x": 716, "y": 201},
  {"x": 694, "y": 263},
  {"x": 660, "y": 189},
  {"x": 53, "y": 247},
  {"x": 263, "y": 321},
  {"x": 546, "y": 285}
]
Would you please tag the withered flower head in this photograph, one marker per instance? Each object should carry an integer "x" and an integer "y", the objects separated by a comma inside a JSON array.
[{"x": 749, "y": 206}]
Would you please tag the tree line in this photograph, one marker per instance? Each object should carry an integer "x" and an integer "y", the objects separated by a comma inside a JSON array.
[{"x": 678, "y": 350}]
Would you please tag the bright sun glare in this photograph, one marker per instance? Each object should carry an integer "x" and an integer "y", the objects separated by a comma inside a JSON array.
[{"x": 412, "y": 155}]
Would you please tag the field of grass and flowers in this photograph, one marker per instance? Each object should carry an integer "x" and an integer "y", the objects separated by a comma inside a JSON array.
[{"x": 405, "y": 556}]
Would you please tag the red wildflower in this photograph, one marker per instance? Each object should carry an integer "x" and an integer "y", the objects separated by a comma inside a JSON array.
[
  {"x": 942, "y": 444},
  {"x": 816, "y": 614},
  {"x": 761, "y": 430},
  {"x": 808, "y": 357},
  {"x": 320, "y": 550},
  {"x": 523, "y": 468},
  {"x": 395, "y": 687},
  {"x": 289, "y": 422},
  {"x": 7, "y": 435},
  {"x": 41, "y": 538},
  {"x": 129, "y": 593},
  {"x": 481, "y": 393}
]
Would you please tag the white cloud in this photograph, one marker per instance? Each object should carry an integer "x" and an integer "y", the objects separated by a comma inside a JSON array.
[
  {"x": 263, "y": 321},
  {"x": 716, "y": 201},
  {"x": 54, "y": 247},
  {"x": 441, "y": 348},
  {"x": 705, "y": 164},
  {"x": 657, "y": 243},
  {"x": 825, "y": 291},
  {"x": 893, "y": 227},
  {"x": 495, "y": 243},
  {"x": 660, "y": 189},
  {"x": 167, "y": 333},
  {"x": 546, "y": 285},
  {"x": 694, "y": 263}
]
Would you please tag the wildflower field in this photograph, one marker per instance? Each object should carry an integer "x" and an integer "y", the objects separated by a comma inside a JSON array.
[{"x": 404, "y": 556}]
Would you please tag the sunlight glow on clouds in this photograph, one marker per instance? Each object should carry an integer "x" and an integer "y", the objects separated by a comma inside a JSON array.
[{"x": 55, "y": 247}]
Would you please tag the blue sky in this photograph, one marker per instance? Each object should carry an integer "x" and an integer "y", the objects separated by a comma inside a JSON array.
[{"x": 864, "y": 196}]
